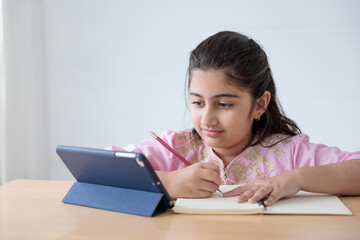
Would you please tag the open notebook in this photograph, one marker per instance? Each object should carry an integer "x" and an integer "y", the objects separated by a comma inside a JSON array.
[{"x": 300, "y": 203}]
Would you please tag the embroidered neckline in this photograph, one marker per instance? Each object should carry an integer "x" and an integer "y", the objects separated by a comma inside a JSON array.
[{"x": 255, "y": 162}]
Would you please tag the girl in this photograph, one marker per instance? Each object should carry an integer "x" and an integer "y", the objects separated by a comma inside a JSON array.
[{"x": 241, "y": 136}]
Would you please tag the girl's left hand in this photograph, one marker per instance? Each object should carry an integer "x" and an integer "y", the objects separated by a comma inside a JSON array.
[{"x": 272, "y": 189}]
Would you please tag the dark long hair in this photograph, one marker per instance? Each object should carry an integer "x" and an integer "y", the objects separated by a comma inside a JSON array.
[{"x": 246, "y": 65}]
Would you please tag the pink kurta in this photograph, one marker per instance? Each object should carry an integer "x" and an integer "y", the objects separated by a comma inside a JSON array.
[{"x": 255, "y": 162}]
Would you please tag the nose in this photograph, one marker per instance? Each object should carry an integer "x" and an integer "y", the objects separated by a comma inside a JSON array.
[{"x": 208, "y": 117}]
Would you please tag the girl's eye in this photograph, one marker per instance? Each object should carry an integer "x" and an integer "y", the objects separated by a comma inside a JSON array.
[
  {"x": 224, "y": 105},
  {"x": 196, "y": 103}
]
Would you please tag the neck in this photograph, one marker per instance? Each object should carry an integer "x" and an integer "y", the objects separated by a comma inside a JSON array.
[{"x": 227, "y": 155}]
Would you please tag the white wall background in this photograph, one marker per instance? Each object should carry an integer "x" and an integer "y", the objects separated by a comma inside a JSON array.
[{"x": 95, "y": 73}]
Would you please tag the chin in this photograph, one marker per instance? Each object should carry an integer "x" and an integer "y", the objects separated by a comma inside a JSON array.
[{"x": 211, "y": 142}]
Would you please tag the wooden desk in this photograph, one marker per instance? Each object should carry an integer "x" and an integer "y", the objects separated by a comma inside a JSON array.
[{"x": 32, "y": 209}]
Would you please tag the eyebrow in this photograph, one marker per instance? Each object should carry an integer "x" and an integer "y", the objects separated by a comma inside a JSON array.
[{"x": 229, "y": 95}]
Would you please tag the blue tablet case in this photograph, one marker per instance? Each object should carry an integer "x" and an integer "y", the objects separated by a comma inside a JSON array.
[{"x": 114, "y": 180}]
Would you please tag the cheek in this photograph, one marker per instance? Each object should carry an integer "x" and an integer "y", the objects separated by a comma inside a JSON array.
[
  {"x": 194, "y": 115},
  {"x": 235, "y": 120}
]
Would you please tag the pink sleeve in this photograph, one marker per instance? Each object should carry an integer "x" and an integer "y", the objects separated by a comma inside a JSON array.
[
  {"x": 305, "y": 153},
  {"x": 159, "y": 157}
]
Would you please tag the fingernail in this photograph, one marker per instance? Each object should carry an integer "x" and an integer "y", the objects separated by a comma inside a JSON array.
[
  {"x": 251, "y": 200},
  {"x": 240, "y": 199}
]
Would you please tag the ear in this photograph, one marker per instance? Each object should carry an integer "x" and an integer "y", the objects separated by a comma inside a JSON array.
[{"x": 262, "y": 104}]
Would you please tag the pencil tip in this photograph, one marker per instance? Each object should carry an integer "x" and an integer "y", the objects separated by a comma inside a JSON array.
[{"x": 153, "y": 134}]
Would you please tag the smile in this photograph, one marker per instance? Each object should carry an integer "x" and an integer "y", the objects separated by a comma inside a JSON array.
[{"x": 211, "y": 133}]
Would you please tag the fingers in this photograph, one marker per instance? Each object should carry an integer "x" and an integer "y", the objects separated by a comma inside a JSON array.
[
  {"x": 253, "y": 193},
  {"x": 198, "y": 180},
  {"x": 206, "y": 189},
  {"x": 210, "y": 176},
  {"x": 236, "y": 192},
  {"x": 210, "y": 166},
  {"x": 270, "y": 200},
  {"x": 256, "y": 193},
  {"x": 269, "y": 197},
  {"x": 211, "y": 173},
  {"x": 270, "y": 189}
]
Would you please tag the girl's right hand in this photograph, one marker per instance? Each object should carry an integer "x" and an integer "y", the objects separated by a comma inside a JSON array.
[{"x": 198, "y": 180}]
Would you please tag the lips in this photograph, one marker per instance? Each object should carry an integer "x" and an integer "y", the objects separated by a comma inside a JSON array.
[{"x": 211, "y": 133}]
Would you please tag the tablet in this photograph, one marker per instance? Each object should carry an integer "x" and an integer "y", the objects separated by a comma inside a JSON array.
[{"x": 119, "y": 169}]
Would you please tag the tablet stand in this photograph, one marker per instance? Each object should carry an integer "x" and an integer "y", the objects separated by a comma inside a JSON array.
[{"x": 116, "y": 199}]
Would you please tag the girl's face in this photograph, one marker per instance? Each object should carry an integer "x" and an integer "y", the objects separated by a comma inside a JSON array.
[{"x": 221, "y": 113}]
